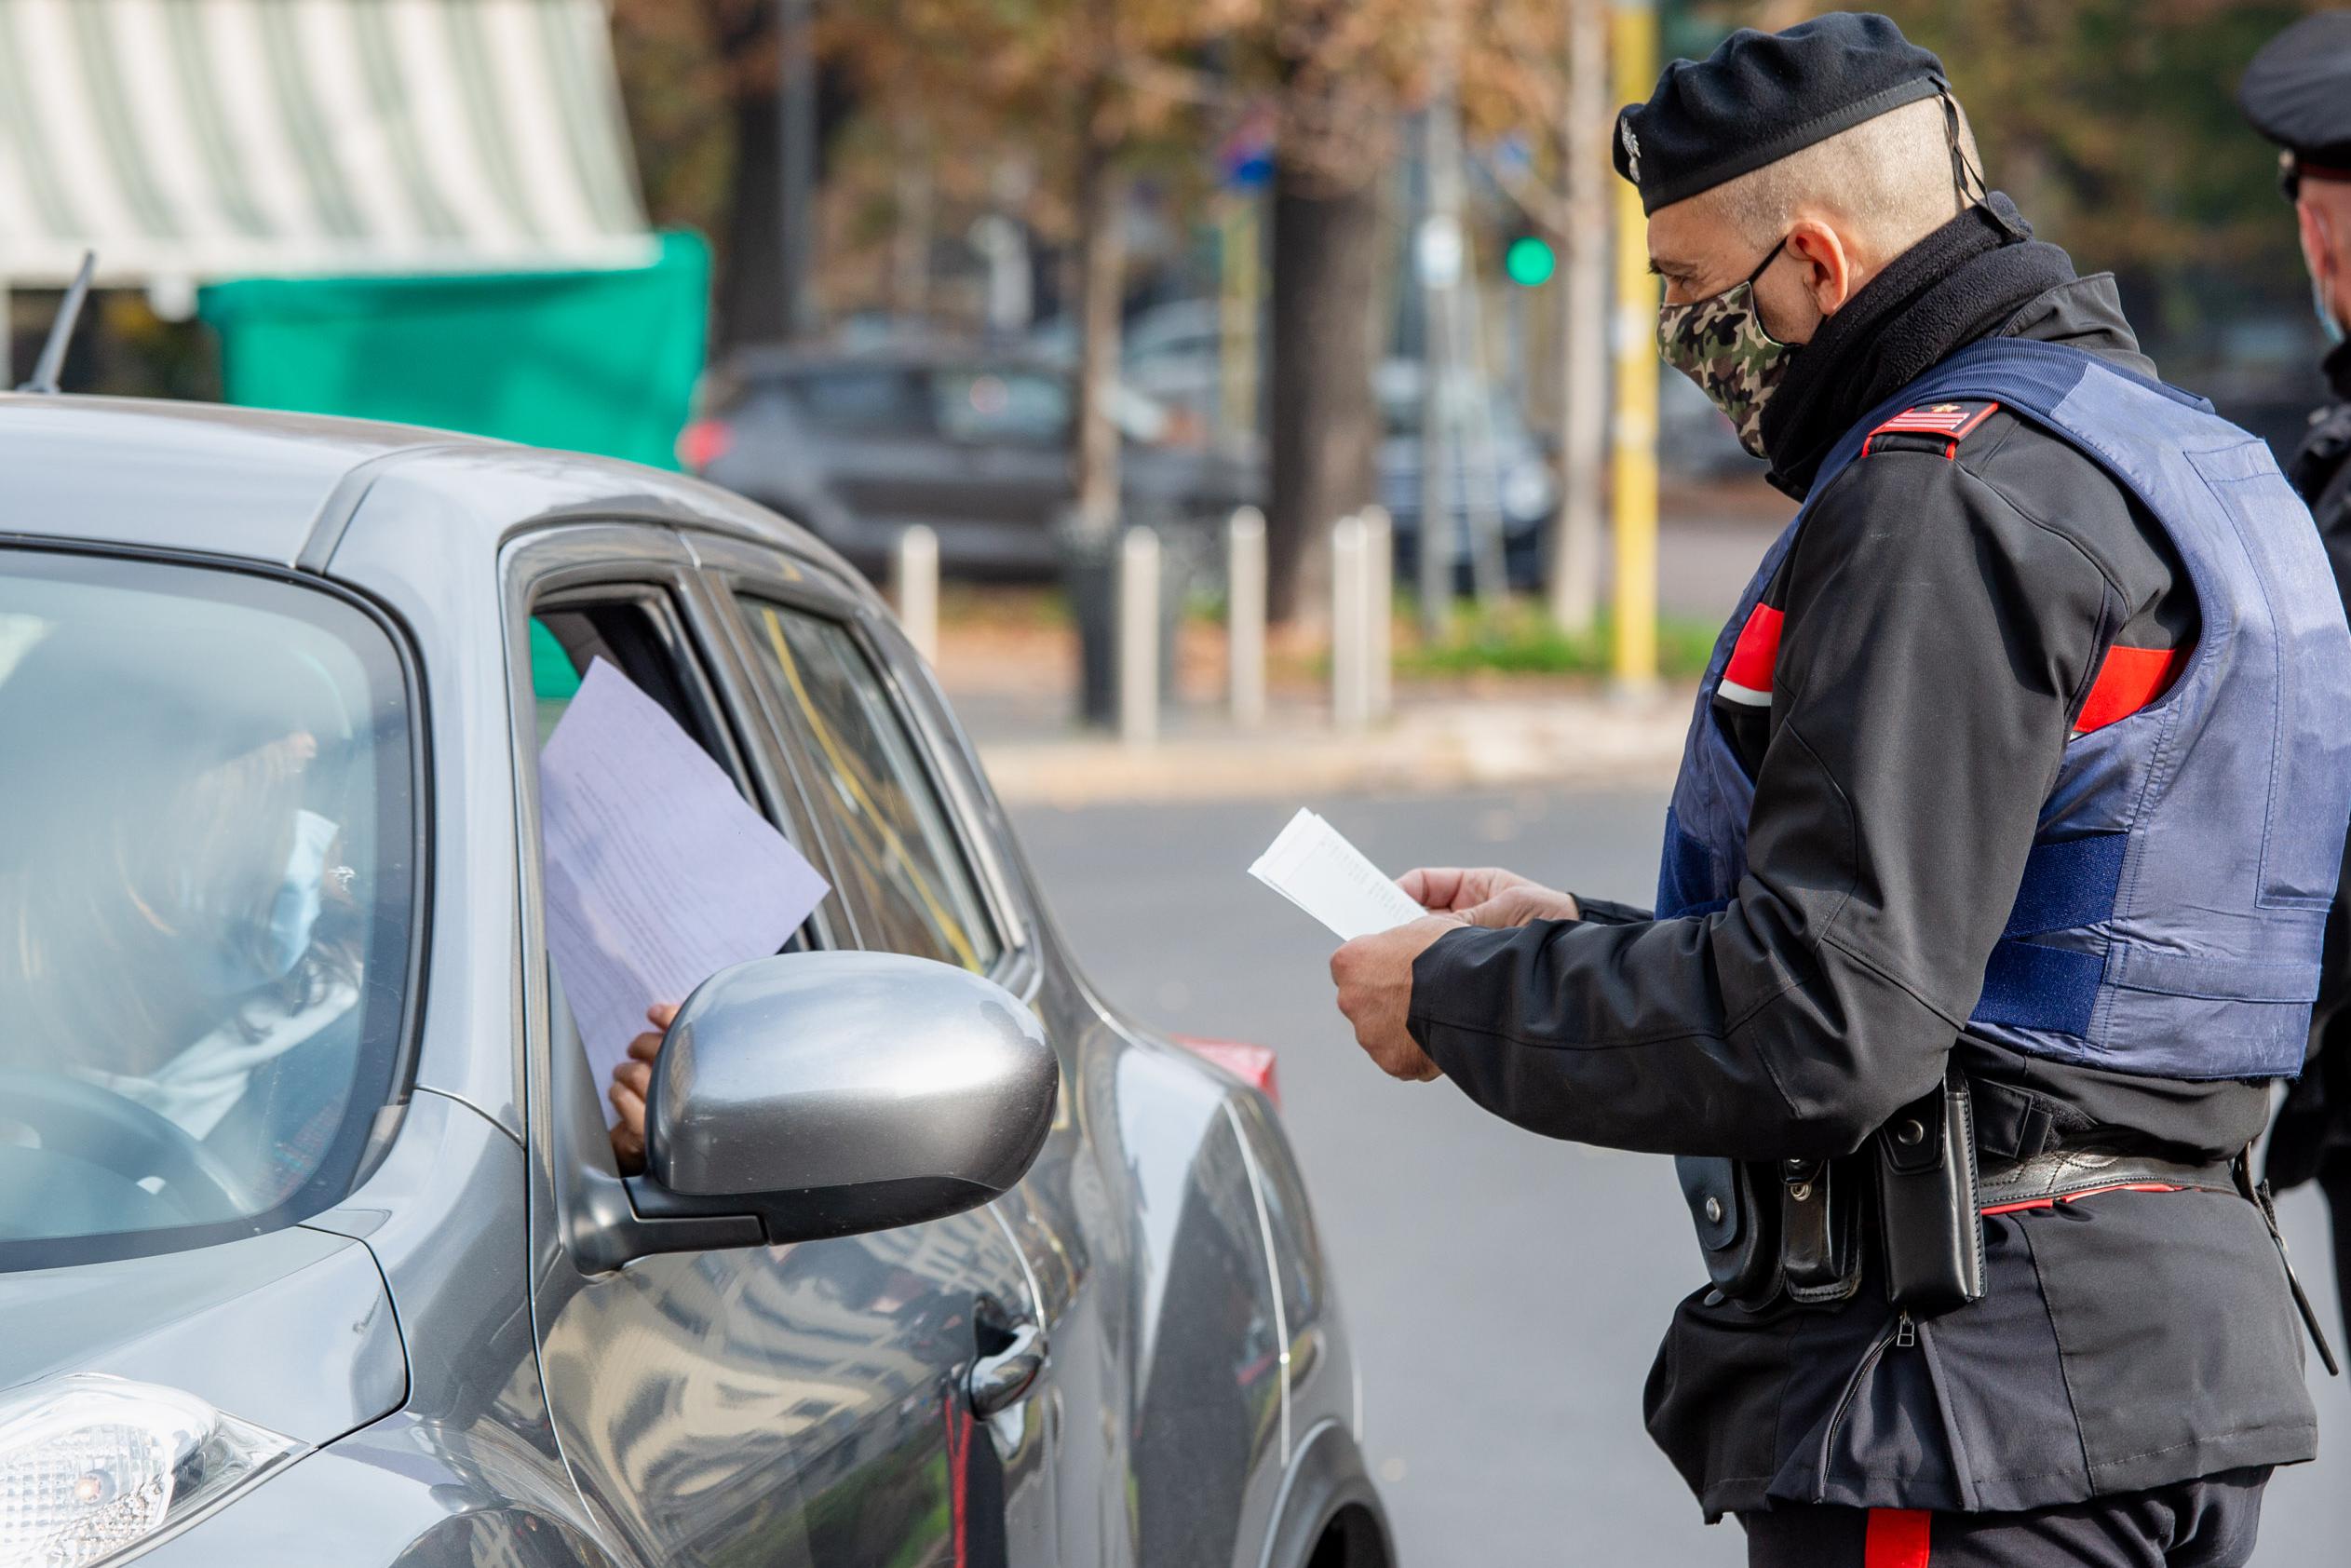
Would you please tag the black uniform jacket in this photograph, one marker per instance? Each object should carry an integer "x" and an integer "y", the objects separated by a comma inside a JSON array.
[
  {"x": 1946, "y": 611},
  {"x": 2313, "y": 1126}
]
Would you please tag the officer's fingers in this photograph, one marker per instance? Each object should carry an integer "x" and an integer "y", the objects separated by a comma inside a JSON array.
[
  {"x": 661, "y": 1015},
  {"x": 636, "y": 1075},
  {"x": 1434, "y": 887},
  {"x": 1496, "y": 912},
  {"x": 645, "y": 1046}
]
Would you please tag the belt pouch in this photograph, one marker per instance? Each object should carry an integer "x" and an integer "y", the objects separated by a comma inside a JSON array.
[
  {"x": 1739, "y": 1232},
  {"x": 1927, "y": 1203},
  {"x": 1819, "y": 1231}
]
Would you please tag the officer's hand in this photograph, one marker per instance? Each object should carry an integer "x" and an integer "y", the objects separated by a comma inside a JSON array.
[
  {"x": 633, "y": 1081},
  {"x": 1459, "y": 889},
  {"x": 1526, "y": 900},
  {"x": 1375, "y": 978}
]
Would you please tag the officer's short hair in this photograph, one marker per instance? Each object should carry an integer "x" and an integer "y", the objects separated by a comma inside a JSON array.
[{"x": 1890, "y": 176}]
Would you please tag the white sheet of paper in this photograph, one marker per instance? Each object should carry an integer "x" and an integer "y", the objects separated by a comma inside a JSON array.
[
  {"x": 1312, "y": 865},
  {"x": 658, "y": 873}
]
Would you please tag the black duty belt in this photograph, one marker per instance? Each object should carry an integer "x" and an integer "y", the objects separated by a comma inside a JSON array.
[{"x": 2062, "y": 1175}]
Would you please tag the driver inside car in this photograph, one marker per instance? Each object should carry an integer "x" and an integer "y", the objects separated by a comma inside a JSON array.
[{"x": 175, "y": 922}]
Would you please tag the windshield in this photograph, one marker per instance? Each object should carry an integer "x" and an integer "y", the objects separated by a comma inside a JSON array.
[{"x": 205, "y": 902}]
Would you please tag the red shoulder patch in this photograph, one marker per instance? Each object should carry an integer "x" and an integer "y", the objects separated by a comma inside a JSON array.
[{"x": 1952, "y": 421}]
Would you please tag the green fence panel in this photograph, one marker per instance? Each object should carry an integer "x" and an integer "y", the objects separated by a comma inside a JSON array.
[{"x": 587, "y": 361}]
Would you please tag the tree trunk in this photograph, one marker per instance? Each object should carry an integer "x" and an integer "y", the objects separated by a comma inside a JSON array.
[
  {"x": 1583, "y": 323},
  {"x": 751, "y": 285},
  {"x": 1324, "y": 428},
  {"x": 910, "y": 223},
  {"x": 1101, "y": 266}
]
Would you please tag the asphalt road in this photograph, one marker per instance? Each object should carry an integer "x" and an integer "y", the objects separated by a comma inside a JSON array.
[{"x": 1506, "y": 1293}]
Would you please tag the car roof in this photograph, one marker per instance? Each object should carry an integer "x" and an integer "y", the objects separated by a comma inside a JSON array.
[{"x": 259, "y": 484}]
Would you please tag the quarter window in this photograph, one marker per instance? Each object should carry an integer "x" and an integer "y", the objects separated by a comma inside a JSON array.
[{"x": 902, "y": 868}]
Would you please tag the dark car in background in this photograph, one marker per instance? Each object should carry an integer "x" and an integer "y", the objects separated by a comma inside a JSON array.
[
  {"x": 861, "y": 445},
  {"x": 1518, "y": 479}
]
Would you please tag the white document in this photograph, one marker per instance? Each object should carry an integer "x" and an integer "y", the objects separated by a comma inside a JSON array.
[
  {"x": 658, "y": 873},
  {"x": 1313, "y": 866}
]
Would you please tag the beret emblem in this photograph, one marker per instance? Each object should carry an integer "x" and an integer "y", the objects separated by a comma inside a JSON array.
[{"x": 1632, "y": 148}]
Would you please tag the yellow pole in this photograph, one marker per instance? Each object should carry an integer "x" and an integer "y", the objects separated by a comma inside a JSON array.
[{"x": 1633, "y": 433}]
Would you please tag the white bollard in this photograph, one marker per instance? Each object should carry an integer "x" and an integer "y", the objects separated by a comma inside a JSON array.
[
  {"x": 1245, "y": 615},
  {"x": 1350, "y": 662},
  {"x": 1139, "y": 637},
  {"x": 1379, "y": 601},
  {"x": 914, "y": 586}
]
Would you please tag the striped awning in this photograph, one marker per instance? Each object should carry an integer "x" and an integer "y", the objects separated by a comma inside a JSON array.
[{"x": 186, "y": 140}]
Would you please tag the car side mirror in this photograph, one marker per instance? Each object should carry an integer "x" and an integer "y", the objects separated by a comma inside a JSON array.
[{"x": 827, "y": 1094}]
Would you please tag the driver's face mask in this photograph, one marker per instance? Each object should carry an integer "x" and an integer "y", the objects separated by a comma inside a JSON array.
[
  {"x": 1720, "y": 342},
  {"x": 293, "y": 912}
]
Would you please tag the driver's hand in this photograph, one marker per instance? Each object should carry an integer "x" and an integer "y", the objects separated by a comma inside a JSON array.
[{"x": 632, "y": 1080}]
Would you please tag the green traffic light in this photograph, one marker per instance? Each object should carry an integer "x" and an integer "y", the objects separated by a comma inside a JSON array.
[{"x": 1530, "y": 262}]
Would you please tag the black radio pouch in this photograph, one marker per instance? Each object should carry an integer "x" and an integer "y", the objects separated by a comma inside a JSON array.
[{"x": 1927, "y": 1202}]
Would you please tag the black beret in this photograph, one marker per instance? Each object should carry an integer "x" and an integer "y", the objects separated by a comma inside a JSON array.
[
  {"x": 1761, "y": 96},
  {"x": 2297, "y": 92}
]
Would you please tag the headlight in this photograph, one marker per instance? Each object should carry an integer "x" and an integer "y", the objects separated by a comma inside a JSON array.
[{"x": 94, "y": 1468}]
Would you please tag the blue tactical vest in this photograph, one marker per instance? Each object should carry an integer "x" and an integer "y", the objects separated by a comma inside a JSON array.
[{"x": 2168, "y": 919}]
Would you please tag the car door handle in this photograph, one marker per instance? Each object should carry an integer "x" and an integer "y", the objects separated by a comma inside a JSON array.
[{"x": 997, "y": 1382}]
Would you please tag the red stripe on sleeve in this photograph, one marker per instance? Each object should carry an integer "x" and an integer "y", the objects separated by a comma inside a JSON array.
[
  {"x": 1756, "y": 652},
  {"x": 2131, "y": 679},
  {"x": 1897, "y": 1539}
]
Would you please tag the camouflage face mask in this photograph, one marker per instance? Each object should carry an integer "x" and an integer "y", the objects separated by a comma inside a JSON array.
[{"x": 1720, "y": 343}]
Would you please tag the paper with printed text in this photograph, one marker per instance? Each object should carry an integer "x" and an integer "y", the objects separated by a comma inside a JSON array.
[
  {"x": 658, "y": 872},
  {"x": 1310, "y": 863}
]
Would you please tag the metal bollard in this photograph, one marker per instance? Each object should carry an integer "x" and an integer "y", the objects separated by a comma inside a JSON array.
[
  {"x": 914, "y": 586},
  {"x": 1350, "y": 633},
  {"x": 1139, "y": 637},
  {"x": 1245, "y": 615},
  {"x": 1378, "y": 615}
]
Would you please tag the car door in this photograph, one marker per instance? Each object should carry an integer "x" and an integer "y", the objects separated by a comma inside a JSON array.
[
  {"x": 918, "y": 875},
  {"x": 787, "y": 1405}
]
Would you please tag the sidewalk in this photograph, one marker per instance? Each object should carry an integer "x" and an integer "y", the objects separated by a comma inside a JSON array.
[
  {"x": 1009, "y": 676},
  {"x": 1433, "y": 742}
]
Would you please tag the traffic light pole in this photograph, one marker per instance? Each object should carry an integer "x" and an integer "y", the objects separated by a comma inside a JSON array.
[{"x": 1634, "y": 433}]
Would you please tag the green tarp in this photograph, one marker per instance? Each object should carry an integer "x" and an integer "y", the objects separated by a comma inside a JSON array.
[{"x": 601, "y": 361}]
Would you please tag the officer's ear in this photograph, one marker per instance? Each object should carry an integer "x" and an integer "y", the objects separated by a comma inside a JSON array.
[{"x": 1825, "y": 268}]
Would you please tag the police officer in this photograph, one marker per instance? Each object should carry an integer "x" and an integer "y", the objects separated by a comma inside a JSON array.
[
  {"x": 2297, "y": 92},
  {"x": 1993, "y": 881}
]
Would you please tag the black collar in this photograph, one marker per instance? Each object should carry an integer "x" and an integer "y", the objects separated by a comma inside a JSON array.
[
  {"x": 1965, "y": 281},
  {"x": 2337, "y": 364}
]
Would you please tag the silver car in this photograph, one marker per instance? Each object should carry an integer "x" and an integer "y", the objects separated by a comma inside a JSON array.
[{"x": 314, "y": 1247}]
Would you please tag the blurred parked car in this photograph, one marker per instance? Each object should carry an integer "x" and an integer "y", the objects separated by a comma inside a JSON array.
[
  {"x": 1172, "y": 353},
  {"x": 859, "y": 445},
  {"x": 313, "y": 1242},
  {"x": 1522, "y": 485}
]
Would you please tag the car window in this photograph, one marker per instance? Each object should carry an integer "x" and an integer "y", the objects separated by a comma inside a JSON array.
[
  {"x": 1002, "y": 406},
  {"x": 894, "y": 846},
  {"x": 877, "y": 401},
  {"x": 207, "y": 898}
]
